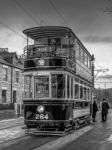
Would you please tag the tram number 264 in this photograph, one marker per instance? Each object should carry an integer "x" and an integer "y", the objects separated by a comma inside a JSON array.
[{"x": 42, "y": 116}]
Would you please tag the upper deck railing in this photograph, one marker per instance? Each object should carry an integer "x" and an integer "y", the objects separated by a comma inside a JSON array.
[
  {"x": 52, "y": 43},
  {"x": 40, "y": 51}
]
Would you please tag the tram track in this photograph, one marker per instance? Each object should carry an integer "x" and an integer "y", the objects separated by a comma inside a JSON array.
[{"x": 27, "y": 142}]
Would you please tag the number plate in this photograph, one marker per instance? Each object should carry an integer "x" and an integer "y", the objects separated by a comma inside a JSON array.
[{"x": 42, "y": 117}]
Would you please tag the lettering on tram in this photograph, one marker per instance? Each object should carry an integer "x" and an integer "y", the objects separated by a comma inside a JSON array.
[{"x": 58, "y": 81}]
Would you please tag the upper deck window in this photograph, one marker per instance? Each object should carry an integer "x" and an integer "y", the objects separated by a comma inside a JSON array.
[
  {"x": 85, "y": 59},
  {"x": 77, "y": 47},
  {"x": 82, "y": 55}
]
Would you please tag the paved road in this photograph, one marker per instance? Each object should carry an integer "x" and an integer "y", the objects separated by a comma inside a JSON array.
[
  {"x": 99, "y": 138},
  {"x": 9, "y": 123}
]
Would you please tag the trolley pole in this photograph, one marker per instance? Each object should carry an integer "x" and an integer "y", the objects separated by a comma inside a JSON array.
[{"x": 92, "y": 74}]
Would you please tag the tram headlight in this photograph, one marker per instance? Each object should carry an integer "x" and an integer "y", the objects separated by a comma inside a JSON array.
[{"x": 40, "y": 108}]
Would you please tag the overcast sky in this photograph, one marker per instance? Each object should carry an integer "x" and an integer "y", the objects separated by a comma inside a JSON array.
[{"x": 85, "y": 17}]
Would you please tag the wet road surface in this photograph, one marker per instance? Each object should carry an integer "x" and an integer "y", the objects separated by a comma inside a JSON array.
[{"x": 99, "y": 138}]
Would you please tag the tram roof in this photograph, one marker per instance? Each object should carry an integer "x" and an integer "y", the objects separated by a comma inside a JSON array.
[{"x": 48, "y": 31}]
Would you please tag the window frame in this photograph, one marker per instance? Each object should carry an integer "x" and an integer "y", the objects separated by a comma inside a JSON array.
[
  {"x": 5, "y": 74},
  {"x": 17, "y": 76}
]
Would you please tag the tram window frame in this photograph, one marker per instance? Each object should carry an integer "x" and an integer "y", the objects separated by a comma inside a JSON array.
[
  {"x": 77, "y": 80},
  {"x": 77, "y": 50},
  {"x": 88, "y": 94},
  {"x": 68, "y": 86},
  {"x": 85, "y": 93},
  {"x": 28, "y": 92},
  {"x": 86, "y": 104},
  {"x": 72, "y": 87},
  {"x": 85, "y": 59},
  {"x": 89, "y": 62},
  {"x": 58, "y": 93},
  {"x": 78, "y": 105},
  {"x": 81, "y": 54},
  {"x": 76, "y": 92},
  {"x": 43, "y": 95},
  {"x": 81, "y": 92}
]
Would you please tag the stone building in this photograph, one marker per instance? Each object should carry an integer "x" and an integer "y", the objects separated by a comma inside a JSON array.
[{"x": 11, "y": 78}]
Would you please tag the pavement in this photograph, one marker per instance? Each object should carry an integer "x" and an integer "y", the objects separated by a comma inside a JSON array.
[{"x": 9, "y": 114}]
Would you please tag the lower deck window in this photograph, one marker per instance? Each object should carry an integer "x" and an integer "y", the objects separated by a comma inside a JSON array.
[
  {"x": 81, "y": 92},
  {"x": 58, "y": 86},
  {"x": 42, "y": 86},
  {"x": 81, "y": 104},
  {"x": 76, "y": 91}
]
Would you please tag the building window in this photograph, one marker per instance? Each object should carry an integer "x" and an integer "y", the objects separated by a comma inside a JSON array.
[
  {"x": 5, "y": 74},
  {"x": 17, "y": 76},
  {"x": 3, "y": 96}
]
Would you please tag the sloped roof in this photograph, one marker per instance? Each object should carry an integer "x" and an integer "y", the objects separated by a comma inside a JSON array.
[
  {"x": 7, "y": 54},
  {"x": 4, "y": 61},
  {"x": 7, "y": 59}
]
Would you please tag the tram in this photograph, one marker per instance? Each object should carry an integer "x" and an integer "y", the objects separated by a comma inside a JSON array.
[{"x": 58, "y": 81}]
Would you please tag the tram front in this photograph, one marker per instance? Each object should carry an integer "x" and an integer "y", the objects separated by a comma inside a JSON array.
[{"x": 45, "y": 103}]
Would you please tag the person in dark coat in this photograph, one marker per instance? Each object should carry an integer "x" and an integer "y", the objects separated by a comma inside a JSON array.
[
  {"x": 95, "y": 109},
  {"x": 104, "y": 112}
]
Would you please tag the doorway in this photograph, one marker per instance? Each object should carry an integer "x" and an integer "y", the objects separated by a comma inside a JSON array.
[{"x": 14, "y": 96}]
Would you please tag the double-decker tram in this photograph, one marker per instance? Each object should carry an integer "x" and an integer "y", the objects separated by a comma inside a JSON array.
[{"x": 58, "y": 81}]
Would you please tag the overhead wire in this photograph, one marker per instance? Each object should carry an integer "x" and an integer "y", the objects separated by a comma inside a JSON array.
[
  {"x": 14, "y": 31},
  {"x": 58, "y": 12},
  {"x": 8, "y": 27},
  {"x": 28, "y": 12},
  {"x": 38, "y": 20}
]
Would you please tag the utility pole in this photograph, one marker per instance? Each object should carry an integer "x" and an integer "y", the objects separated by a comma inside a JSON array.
[{"x": 99, "y": 96}]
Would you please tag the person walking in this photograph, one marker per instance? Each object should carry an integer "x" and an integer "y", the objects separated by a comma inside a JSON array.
[
  {"x": 95, "y": 109},
  {"x": 104, "y": 112}
]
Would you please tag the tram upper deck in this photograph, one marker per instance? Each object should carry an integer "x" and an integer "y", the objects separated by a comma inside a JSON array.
[{"x": 57, "y": 45}]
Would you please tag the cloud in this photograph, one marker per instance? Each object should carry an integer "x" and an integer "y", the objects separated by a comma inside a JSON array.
[{"x": 97, "y": 39}]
